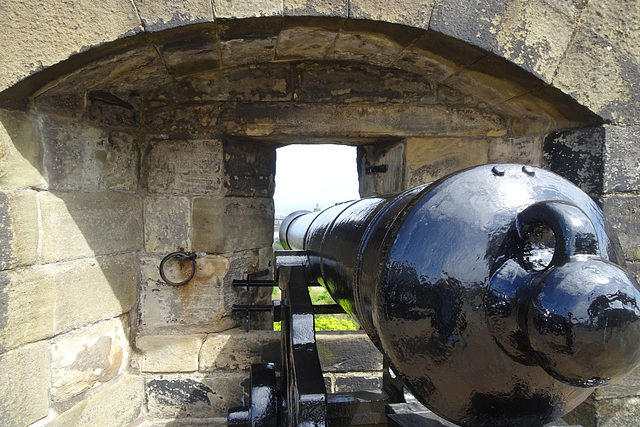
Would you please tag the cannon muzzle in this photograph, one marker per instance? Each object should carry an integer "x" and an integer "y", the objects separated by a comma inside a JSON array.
[{"x": 497, "y": 294}]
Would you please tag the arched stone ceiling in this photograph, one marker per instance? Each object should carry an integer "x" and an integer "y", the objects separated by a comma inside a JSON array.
[
  {"x": 207, "y": 75},
  {"x": 586, "y": 49}
]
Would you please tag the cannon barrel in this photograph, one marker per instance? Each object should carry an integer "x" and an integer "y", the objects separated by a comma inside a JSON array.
[{"x": 497, "y": 294}]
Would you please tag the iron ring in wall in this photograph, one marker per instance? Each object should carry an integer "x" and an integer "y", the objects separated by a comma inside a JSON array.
[{"x": 181, "y": 255}]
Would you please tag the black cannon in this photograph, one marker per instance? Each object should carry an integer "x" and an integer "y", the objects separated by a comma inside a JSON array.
[{"x": 496, "y": 295}]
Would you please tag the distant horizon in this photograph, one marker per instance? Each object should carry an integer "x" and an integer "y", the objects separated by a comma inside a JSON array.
[{"x": 310, "y": 175}]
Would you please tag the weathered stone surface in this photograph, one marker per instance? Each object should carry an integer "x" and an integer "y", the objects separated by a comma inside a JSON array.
[
  {"x": 357, "y": 382},
  {"x": 621, "y": 159},
  {"x": 79, "y": 225},
  {"x": 617, "y": 22},
  {"x": 18, "y": 229},
  {"x": 170, "y": 353},
  {"x": 203, "y": 304},
  {"x": 347, "y": 351},
  {"x": 622, "y": 212},
  {"x": 158, "y": 16},
  {"x": 232, "y": 223},
  {"x": 431, "y": 159},
  {"x": 249, "y": 168},
  {"x": 373, "y": 179},
  {"x": 117, "y": 403},
  {"x": 94, "y": 289},
  {"x": 195, "y": 52},
  {"x": 92, "y": 24},
  {"x": 601, "y": 77},
  {"x": 86, "y": 358},
  {"x": 356, "y": 83},
  {"x": 475, "y": 22},
  {"x": 358, "y": 46},
  {"x": 83, "y": 157},
  {"x": 338, "y": 8},
  {"x": 352, "y": 120},
  {"x": 167, "y": 224},
  {"x": 577, "y": 155},
  {"x": 535, "y": 34},
  {"x": 179, "y": 397},
  {"x": 122, "y": 75},
  {"x": 526, "y": 150},
  {"x": 242, "y": 51},
  {"x": 24, "y": 397},
  {"x": 607, "y": 413},
  {"x": 303, "y": 42},
  {"x": 27, "y": 306},
  {"x": 236, "y": 350},
  {"x": 240, "y": 9},
  {"x": 21, "y": 152},
  {"x": 184, "y": 167},
  {"x": 413, "y": 13},
  {"x": 265, "y": 82}
]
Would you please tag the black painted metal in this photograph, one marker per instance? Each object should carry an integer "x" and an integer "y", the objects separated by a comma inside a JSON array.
[{"x": 497, "y": 293}]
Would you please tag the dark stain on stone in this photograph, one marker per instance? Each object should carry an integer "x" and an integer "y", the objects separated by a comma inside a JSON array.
[{"x": 180, "y": 392}]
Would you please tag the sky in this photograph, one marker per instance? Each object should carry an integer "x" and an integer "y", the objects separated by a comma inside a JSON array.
[{"x": 321, "y": 174}]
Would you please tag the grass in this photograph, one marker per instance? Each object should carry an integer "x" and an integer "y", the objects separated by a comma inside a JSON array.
[{"x": 324, "y": 322}]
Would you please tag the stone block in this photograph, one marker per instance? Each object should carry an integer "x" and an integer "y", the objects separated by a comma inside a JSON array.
[
  {"x": 80, "y": 225},
  {"x": 249, "y": 168},
  {"x": 369, "y": 47},
  {"x": 178, "y": 396},
  {"x": 117, "y": 403},
  {"x": 304, "y": 42},
  {"x": 431, "y": 159},
  {"x": 231, "y": 224},
  {"x": 184, "y": 167},
  {"x": 357, "y": 83},
  {"x": 241, "y": 51},
  {"x": 577, "y": 155},
  {"x": 319, "y": 120},
  {"x": 338, "y": 8},
  {"x": 535, "y": 35},
  {"x": 205, "y": 303},
  {"x": 81, "y": 157},
  {"x": 357, "y": 382},
  {"x": 263, "y": 82},
  {"x": 621, "y": 159},
  {"x": 158, "y": 16},
  {"x": 194, "y": 52},
  {"x": 475, "y": 22},
  {"x": 27, "y": 306},
  {"x": 18, "y": 229},
  {"x": 167, "y": 224},
  {"x": 170, "y": 353},
  {"x": 236, "y": 350},
  {"x": 57, "y": 32},
  {"x": 525, "y": 150},
  {"x": 86, "y": 358},
  {"x": 381, "y": 169},
  {"x": 239, "y": 9},
  {"x": 614, "y": 21},
  {"x": 413, "y": 13},
  {"x": 94, "y": 289},
  {"x": 622, "y": 211},
  {"x": 601, "y": 77},
  {"x": 347, "y": 351},
  {"x": 21, "y": 152},
  {"x": 608, "y": 413},
  {"x": 24, "y": 374}
]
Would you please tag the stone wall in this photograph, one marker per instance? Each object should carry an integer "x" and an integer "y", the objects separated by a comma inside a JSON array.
[
  {"x": 72, "y": 230},
  {"x": 129, "y": 129}
]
